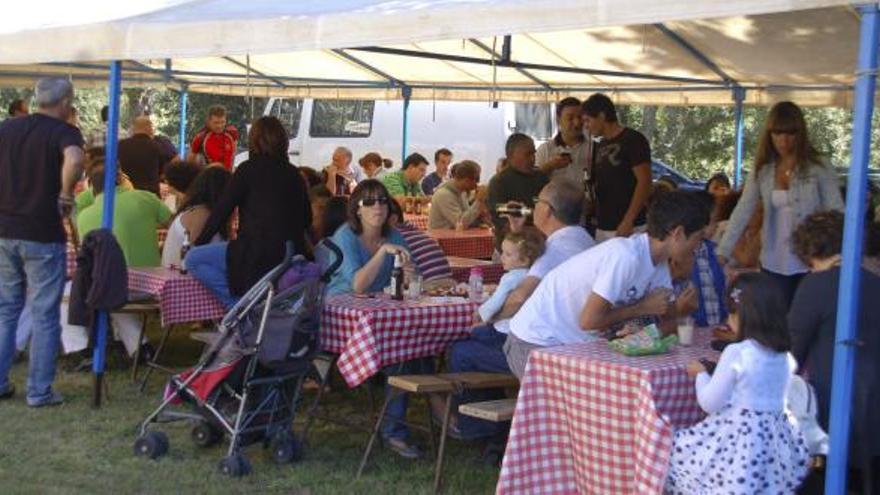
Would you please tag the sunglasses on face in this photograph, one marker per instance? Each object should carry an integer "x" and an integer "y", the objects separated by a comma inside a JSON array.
[
  {"x": 787, "y": 132},
  {"x": 382, "y": 200}
]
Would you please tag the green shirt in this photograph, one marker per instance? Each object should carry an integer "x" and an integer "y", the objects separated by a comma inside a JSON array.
[
  {"x": 397, "y": 185},
  {"x": 137, "y": 215}
]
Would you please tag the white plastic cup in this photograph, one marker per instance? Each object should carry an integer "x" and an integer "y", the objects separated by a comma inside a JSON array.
[
  {"x": 686, "y": 331},
  {"x": 415, "y": 287}
]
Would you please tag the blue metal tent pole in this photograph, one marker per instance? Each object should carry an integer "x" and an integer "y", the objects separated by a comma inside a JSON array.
[
  {"x": 739, "y": 95},
  {"x": 112, "y": 144},
  {"x": 183, "y": 97},
  {"x": 850, "y": 274},
  {"x": 407, "y": 93}
]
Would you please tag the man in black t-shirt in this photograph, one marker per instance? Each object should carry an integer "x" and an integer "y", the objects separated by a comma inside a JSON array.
[
  {"x": 140, "y": 157},
  {"x": 41, "y": 159},
  {"x": 621, "y": 171}
]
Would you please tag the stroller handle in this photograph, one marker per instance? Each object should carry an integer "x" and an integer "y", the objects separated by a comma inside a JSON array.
[{"x": 337, "y": 262}]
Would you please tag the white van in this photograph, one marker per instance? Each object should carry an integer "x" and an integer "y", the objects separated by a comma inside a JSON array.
[{"x": 475, "y": 131}]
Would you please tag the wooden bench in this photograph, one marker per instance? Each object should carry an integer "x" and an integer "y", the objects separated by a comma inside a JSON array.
[
  {"x": 490, "y": 410},
  {"x": 445, "y": 384}
]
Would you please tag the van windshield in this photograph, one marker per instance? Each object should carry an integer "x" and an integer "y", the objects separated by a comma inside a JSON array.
[
  {"x": 342, "y": 118},
  {"x": 535, "y": 120},
  {"x": 289, "y": 112}
]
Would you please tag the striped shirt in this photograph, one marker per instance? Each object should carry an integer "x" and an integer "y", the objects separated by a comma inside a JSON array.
[{"x": 426, "y": 253}]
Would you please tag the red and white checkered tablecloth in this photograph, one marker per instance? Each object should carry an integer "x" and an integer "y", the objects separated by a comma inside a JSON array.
[
  {"x": 461, "y": 269},
  {"x": 161, "y": 234},
  {"x": 181, "y": 297},
  {"x": 370, "y": 333},
  {"x": 418, "y": 221},
  {"x": 591, "y": 421},
  {"x": 471, "y": 243}
]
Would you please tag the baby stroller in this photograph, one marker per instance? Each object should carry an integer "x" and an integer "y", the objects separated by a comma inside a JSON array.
[{"x": 247, "y": 383}]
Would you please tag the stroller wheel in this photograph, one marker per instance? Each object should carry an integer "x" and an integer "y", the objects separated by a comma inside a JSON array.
[
  {"x": 286, "y": 448},
  {"x": 205, "y": 435},
  {"x": 153, "y": 445},
  {"x": 235, "y": 466}
]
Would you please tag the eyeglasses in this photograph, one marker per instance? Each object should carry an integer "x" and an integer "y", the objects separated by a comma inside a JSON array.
[
  {"x": 537, "y": 200},
  {"x": 382, "y": 200},
  {"x": 787, "y": 132}
]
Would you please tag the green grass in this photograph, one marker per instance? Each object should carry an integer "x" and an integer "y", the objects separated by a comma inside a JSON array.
[{"x": 76, "y": 449}]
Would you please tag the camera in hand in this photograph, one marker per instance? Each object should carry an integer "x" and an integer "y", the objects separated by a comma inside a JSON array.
[{"x": 513, "y": 210}]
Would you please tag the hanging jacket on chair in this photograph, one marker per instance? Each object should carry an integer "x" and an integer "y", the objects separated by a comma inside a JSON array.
[{"x": 101, "y": 279}]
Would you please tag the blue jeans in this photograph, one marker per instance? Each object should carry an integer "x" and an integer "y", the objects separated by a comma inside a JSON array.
[
  {"x": 33, "y": 271},
  {"x": 481, "y": 352},
  {"x": 207, "y": 264},
  {"x": 393, "y": 426}
]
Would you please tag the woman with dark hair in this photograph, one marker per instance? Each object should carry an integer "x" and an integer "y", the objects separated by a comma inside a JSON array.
[
  {"x": 368, "y": 242},
  {"x": 812, "y": 321},
  {"x": 718, "y": 185},
  {"x": 369, "y": 245},
  {"x": 372, "y": 165},
  {"x": 179, "y": 176},
  {"x": 202, "y": 197},
  {"x": 790, "y": 180},
  {"x": 749, "y": 442},
  {"x": 273, "y": 208}
]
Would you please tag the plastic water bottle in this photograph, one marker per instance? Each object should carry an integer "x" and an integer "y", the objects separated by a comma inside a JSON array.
[{"x": 475, "y": 285}]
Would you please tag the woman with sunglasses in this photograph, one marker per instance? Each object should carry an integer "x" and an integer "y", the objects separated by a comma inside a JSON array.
[
  {"x": 369, "y": 244},
  {"x": 791, "y": 181}
]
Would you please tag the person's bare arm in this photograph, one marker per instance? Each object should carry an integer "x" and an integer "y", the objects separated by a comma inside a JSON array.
[
  {"x": 71, "y": 172},
  {"x": 194, "y": 221},
  {"x": 639, "y": 198},
  {"x": 599, "y": 313},
  {"x": 71, "y": 168},
  {"x": 517, "y": 298}
]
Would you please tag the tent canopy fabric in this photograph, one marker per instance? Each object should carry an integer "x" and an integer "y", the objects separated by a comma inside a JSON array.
[{"x": 640, "y": 51}]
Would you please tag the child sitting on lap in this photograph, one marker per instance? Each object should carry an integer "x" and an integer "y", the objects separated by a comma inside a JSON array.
[
  {"x": 750, "y": 442},
  {"x": 518, "y": 251}
]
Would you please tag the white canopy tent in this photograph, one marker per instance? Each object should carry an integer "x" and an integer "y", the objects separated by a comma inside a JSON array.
[
  {"x": 649, "y": 52},
  {"x": 642, "y": 51}
]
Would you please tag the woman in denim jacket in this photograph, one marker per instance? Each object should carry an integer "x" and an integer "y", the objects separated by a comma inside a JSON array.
[{"x": 791, "y": 180}]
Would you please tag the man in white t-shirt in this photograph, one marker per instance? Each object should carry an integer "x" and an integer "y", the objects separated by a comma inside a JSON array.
[
  {"x": 615, "y": 281},
  {"x": 557, "y": 215}
]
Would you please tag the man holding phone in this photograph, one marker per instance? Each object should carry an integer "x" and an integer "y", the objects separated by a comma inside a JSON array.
[{"x": 567, "y": 155}]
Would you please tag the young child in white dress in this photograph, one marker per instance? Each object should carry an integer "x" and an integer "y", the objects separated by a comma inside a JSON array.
[{"x": 750, "y": 442}]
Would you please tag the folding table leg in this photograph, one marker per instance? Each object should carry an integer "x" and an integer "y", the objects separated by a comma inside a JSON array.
[
  {"x": 431, "y": 432},
  {"x": 154, "y": 361},
  {"x": 323, "y": 379},
  {"x": 438, "y": 470},
  {"x": 137, "y": 352},
  {"x": 394, "y": 393}
]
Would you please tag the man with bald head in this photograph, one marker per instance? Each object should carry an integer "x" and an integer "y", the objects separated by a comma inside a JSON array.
[{"x": 141, "y": 157}]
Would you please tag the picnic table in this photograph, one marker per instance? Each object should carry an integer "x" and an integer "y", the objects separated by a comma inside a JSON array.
[
  {"x": 181, "y": 297},
  {"x": 589, "y": 420},
  {"x": 470, "y": 243},
  {"x": 461, "y": 269},
  {"x": 373, "y": 331}
]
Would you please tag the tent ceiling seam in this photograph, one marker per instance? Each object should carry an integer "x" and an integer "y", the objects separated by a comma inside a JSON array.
[
  {"x": 695, "y": 53},
  {"x": 524, "y": 72},
  {"x": 525, "y": 65},
  {"x": 250, "y": 69}
]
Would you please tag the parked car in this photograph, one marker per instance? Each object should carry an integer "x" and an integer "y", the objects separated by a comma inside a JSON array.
[{"x": 661, "y": 169}]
